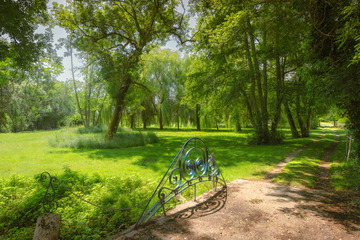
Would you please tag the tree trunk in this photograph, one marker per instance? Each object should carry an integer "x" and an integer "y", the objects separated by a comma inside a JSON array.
[
  {"x": 238, "y": 126},
  {"x": 178, "y": 121},
  {"x": 88, "y": 105},
  {"x": 160, "y": 118},
  {"x": 301, "y": 125},
  {"x": 132, "y": 120},
  {"x": 277, "y": 116},
  {"x": 308, "y": 122},
  {"x": 74, "y": 83},
  {"x": 2, "y": 113},
  {"x": 99, "y": 115},
  {"x": 120, "y": 98},
  {"x": 198, "y": 128},
  {"x": 294, "y": 131},
  {"x": 248, "y": 106},
  {"x": 298, "y": 116},
  {"x": 263, "y": 117},
  {"x": 143, "y": 116},
  {"x": 278, "y": 87}
]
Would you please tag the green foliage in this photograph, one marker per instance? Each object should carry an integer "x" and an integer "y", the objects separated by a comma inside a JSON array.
[
  {"x": 94, "y": 129},
  {"x": 164, "y": 72},
  {"x": 18, "y": 22},
  {"x": 107, "y": 176},
  {"x": 115, "y": 36},
  {"x": 93, "y": 138},
  {"x": 345, "y": 175},
  {"x": 255, "y": 139},
  {"x": 21, "y": 198},
  {"x": 338, "y": 53}
]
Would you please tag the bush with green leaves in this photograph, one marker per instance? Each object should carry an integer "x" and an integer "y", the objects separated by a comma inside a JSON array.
[
  {"x": 93, "y": 138},
  {"x": 21, "y": 204}
]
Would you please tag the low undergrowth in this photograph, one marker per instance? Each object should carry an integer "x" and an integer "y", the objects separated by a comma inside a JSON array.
[
  {"x": 93, "y": 138},
  {"x": 21, "y": 204},
  {"x": 345, "y": 174}
]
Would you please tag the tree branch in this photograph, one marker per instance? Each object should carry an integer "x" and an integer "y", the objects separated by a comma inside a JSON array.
[{"x": 141, "y": 85}]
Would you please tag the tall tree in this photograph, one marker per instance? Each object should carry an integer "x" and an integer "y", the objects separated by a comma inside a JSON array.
[
  {"x": 164, "y": 72},
  {"x": 118, "y": 33},
  {"x": 335, "y": 41},
  {"x": 257, "y": 41},
  {"x": 19, "y": 44}
]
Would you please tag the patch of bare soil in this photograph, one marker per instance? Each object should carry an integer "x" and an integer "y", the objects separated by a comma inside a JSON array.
[{"x": 255, "y": 210}]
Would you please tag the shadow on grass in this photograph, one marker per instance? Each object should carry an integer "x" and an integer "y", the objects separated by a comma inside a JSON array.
[
  {"x": 230, "y": 150},
  {"x": 303, "y": 173}
]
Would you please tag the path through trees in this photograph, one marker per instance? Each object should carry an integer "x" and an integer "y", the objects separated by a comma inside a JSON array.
[{"x": 261, "y": 210}]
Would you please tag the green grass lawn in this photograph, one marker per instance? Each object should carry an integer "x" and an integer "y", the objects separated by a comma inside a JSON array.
[
  {"x": 115, "y": 178},
  {"x": 303, "y": 169},
  {"x": 29, "y": 153},
  {"x": 344, "y": 174}
]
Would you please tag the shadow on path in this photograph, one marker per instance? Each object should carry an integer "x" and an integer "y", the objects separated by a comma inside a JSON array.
[
  {"x": 280, "y": 166},
  {"x": 323, "y": 180}
]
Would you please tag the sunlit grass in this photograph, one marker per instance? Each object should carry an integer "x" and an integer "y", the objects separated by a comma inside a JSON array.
[
  {"x": 303, "y": 169},
  {"x": 93, "y": 138},
  {"x": 344, "y": 174},
  {"x": 119, "y": 177},
  {"x": 29, "y": 153}
]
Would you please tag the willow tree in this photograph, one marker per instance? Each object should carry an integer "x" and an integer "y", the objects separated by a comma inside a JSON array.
[
  {"x": 164, "y": 73},
  {"x": 117, "y": 33}
]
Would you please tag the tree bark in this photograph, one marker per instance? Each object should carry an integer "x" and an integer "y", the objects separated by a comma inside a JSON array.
[
  {"x": 132, "y": 120},
  {"x": 120, "y": 98},
  {"x": 160, "y": 118},
  {"x": 99, "y": 115},
  {"x": 178, "y": 121},
  {"x": 279, "y": 86},
  {"x": 88, "y": 105},
  {"x": 198, "y": 128},
  {"x": 74, "y": 83},
  {"x": 290, "y": 118},
  {"x": 238, "y": 126},
  {"x": 308, "y": 121},
  {"x": 2, "y": 114},
  {"x": 143, "y": 116},
  {"x": 298, "y": 116},
  {"x": 263, "y": 117}
]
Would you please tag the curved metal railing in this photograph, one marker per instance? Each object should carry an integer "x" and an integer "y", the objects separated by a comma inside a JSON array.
[{"x": 192, "y": 165}]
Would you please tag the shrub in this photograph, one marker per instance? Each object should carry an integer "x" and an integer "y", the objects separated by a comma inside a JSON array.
[
  {"x": 90, "y": 139},
  {"x": 258, "y": 138},
  {"x": 21, "y": 204}
]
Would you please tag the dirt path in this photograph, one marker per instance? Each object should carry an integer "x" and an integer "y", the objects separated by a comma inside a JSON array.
[
  {"x": 254, "y": 210},
  {"x": 323, "y": 178},
  {"x": 279, "y": 167},
  {"x": 259, "y": 210}
]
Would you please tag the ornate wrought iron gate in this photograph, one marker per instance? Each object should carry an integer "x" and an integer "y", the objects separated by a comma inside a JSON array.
[{"x": 193, "y": 164}]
